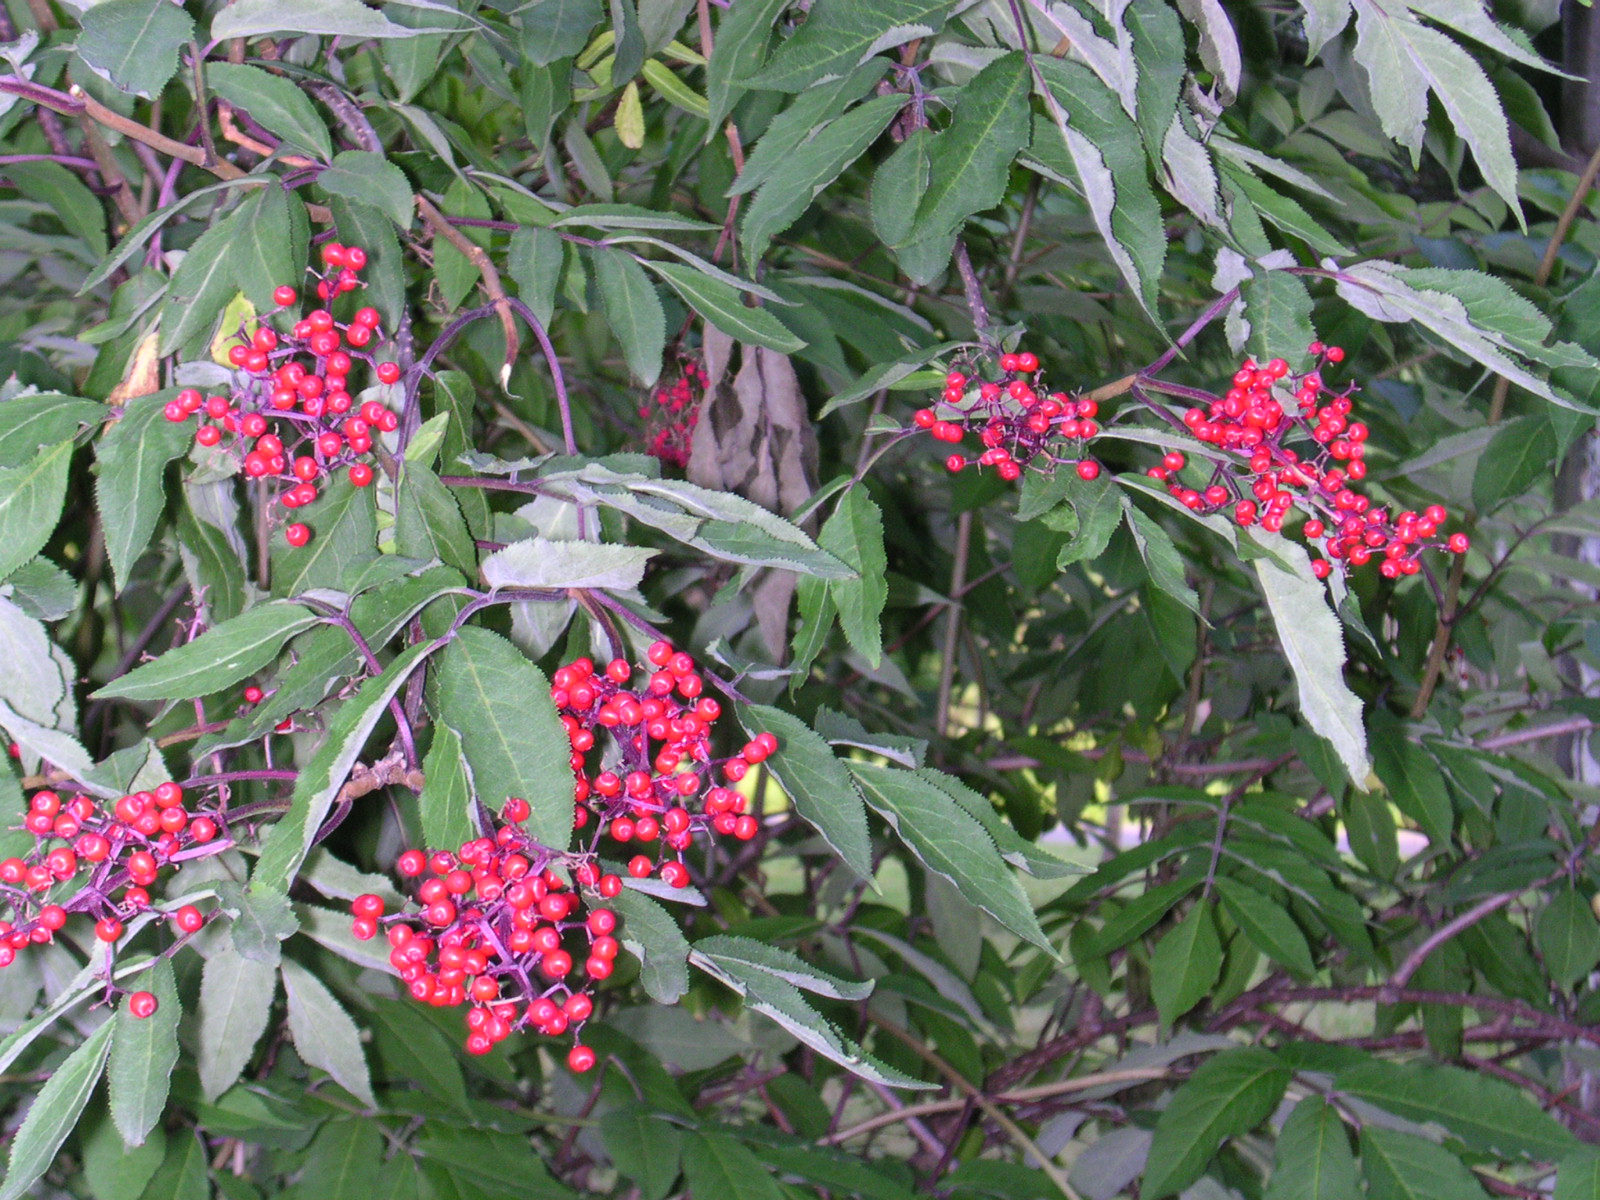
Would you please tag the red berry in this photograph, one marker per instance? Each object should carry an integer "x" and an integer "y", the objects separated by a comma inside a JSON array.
[
  {"x": 108, "y": 930},
  {"x": 388, "y": 372},
  {"x": 188, "y": 919},
  {"x": 285, "y": 295},
  {"x": 297, "y": 535},
  {"x": 142, "y": 1005},
  {"x": 1460, "y": 543},
  {"x": 581, "y": 1059},
  {"x": 1088, "y": 470}
]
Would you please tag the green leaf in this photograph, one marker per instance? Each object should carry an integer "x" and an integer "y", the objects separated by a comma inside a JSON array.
[
  {"x": 31, "y": 498},
  {"x": 741, "y": 44},
  {"x": 1387, "y": 292},
  {"x": 741, "y": 954},
  {"x": 1103, "y": 151},
  {"x": 132, "y": 457},
  {"x": 54, "y": 1112},
  {"x": 29, "y": 423},
  {"x": 369, "y": 178},
  {"x": 499, "y": 703},
  {"x": 1097, "y": 506},
  {"x": 950, "y": 842},
  {"x": 720, "y": 1168},
  {"x": 1185, "y": 964},
  {"x": 1312, "y": 1160},
  {"x": 323, "y": 1033},
  {"x": 722, "y": 524},
  {"x": 1399, "y": 1166},
  {"x": 631, "y": 218},
  {"x": 556, "y": 29},
  {"x": 1277, "y": 307},
  {"x": 817, "y": 782},
  {"x": 1568, "y": 937},
  {"x": 285, "y": 845},
  {"x": 1521, "y": 452},
  {"x": 1413, "y": 778},
  {"x": 78, "y": 209},
  {"x": 417, "y": 1052},
  {"x": 1228, "y": 1095},
  {"x": 968, "y": 164},
  {"x": 542, "y": 563},
  {"x": 1161, "y": 557},
  {"x": 1578, "y": 1177},
  {"x": 447, "y": 793},
  {"x": 800, "y": 178},
  {"x": 534, "y": 259},
  {"x": 201, "y": 287},
  {"x": 1313, "y": 642},
  {"x": 135, "y": 42},
  {"x": 218, "y": 658},
  {"x": 839, "y": 36},
  {"x": 331, "y": 18},
  {"x": 720, "y": 304},
  {"x": 344, "y": 523},
  {"x": 645, "y": 1146},
  {"x": 266, "y": 252},
  {"x": 777, "y": 998},
  {"x": 143, "y": 1055},
  {"x": 633, "y": 310},
  {"x": 182, "y": 1175},
  {"x": 262, "y": 918},
  {"x": 112, "y": 1169},
  {"x": 854, "y": 534},
  {"x": 1487, "y": 1114},
  {"x": 343, "y": 1159},
  {"x": 1268, "y": 924},
  {"x": 651, "y": 934},
  {"x": 428, "y": 521},
  {"x": 275, "y": 103}
]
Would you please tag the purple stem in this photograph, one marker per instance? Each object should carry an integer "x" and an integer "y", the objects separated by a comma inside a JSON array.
[
  {"x": 261, "y": 775},
  {"x": 66, "y": 160},
  {"x": 1217, "y": 308}
]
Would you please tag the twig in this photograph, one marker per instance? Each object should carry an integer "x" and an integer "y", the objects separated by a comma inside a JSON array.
[
  {"x": 492, "y": 287},
  {"x": 974, "y": 293},
  {"x": 1011, "y": 1129},
  {"x": 952, "y": 628}
]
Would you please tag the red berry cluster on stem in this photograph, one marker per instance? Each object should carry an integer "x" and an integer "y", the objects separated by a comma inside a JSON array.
[
  {"x": 515, "y": 929},
  {"x": 1017, "y": 425},
  {"x": 100, "y": 863},
  {"x": 1305, "y": 451},
  {"x": 674, "y": 414},
  {"x": 291, "y": 416}
]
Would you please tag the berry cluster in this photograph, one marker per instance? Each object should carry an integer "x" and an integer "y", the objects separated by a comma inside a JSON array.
[
  {"x": 503, "y": 924},
  {"x": 1303, "y": 450},
  {"x": 102, "y": 864},
  {"x": 291, "y": 416},
  {"x": 674, "y": 414},
  {"x": 1015, "y": 422},
  {"x": 1287, "y": 441}
]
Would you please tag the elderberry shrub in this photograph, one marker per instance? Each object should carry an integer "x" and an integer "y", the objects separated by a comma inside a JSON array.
[
  {"x": 1285, "y": 441},
  {"x": 518, "y": 931},
  {"x": 99, "y": 863},
  {"x": 290, "y": 415}
]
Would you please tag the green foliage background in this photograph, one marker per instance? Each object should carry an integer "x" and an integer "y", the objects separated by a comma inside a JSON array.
[{"x": 1313, "y": 917}]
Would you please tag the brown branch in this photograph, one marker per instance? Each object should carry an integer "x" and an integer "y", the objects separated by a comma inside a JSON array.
[
  {"x": 150, "y": 137},
  {"x": 492, "y": 287}
]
